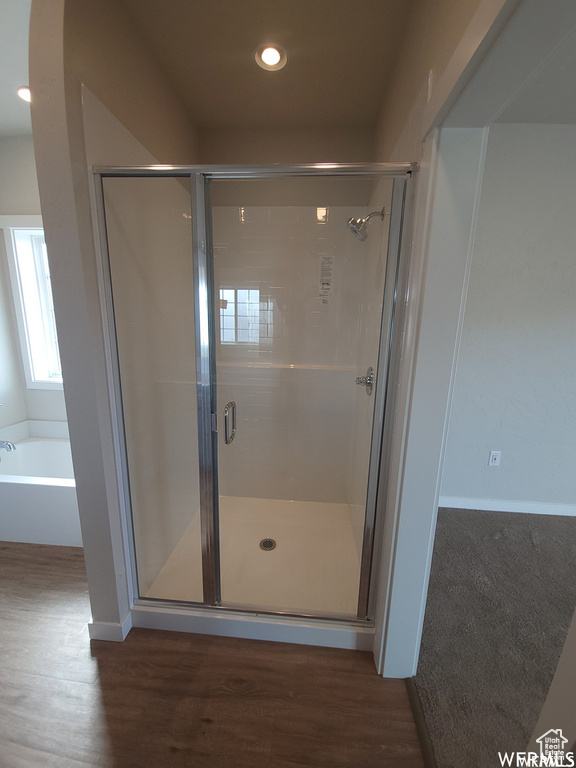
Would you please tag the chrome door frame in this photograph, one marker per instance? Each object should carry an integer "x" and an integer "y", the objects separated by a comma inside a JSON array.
[
  {"x": 394, "y": 288},
  {"x": 260, "y": 172},
  {"x": 384, "y": 389},
  {"x": 206, "y": 387}
]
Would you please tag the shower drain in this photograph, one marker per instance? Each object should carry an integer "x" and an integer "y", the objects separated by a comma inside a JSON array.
[{"x": 267, "y": 544}]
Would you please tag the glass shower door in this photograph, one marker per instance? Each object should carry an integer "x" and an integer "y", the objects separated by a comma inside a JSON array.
[
  {"x": 152, "y": 296},
  {"x": 248, "y": 317},
  {"x": 298, "y": 303}
]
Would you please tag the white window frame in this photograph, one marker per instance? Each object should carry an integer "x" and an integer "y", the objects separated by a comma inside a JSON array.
[
  {"x": 8, "y": 224},
  {"x": 236, "y": 317},
  {"x": 267, "y": 314}
]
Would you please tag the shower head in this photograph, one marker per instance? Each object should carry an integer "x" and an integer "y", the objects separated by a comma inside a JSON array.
[{"x": 358, "y": 226}]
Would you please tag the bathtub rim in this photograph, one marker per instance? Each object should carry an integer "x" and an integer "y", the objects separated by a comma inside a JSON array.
[
  {"x": 33, "y": 480},
  {"x": 66, "y": 482}
]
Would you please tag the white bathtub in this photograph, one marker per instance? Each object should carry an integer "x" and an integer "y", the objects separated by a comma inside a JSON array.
[{"x": 38, "y": 494}]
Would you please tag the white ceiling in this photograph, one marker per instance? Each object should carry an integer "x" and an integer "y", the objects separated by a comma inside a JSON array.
[
  {"x": 340, "y": 57},
  {"x": 14, "y": 22}
]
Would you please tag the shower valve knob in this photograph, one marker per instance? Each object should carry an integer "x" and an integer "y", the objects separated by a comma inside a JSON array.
[{"x": 367, "y": 381}]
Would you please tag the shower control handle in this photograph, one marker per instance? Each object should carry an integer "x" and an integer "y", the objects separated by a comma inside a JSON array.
[
  {"x": 229, "y": 416},
  {"x": 367, "y": 381}
]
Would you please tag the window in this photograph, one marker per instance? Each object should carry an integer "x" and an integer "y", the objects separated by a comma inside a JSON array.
[
  {"x": 245, "y": 316},
  {"x": 30, "y": 277}
]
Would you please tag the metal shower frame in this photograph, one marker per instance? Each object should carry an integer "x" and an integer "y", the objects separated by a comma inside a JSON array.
[{"x": 388, "y": 358}]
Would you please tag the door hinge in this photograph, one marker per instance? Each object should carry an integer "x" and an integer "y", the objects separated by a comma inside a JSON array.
[{"x": 214, "y": 420}]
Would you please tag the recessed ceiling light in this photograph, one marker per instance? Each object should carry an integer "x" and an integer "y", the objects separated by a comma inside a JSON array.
[
  {"x": 271, "y": 57},
  {"x": 24, "y": 93}
]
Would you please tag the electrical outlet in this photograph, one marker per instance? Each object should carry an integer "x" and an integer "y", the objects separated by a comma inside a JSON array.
[{"x": 494, "y": 460}]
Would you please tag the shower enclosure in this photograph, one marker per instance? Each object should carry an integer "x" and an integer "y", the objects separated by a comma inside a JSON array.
[{"x": 250, "y": 333}]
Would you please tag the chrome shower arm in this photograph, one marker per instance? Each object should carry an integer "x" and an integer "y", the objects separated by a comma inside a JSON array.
[
  {"x": 357, "y": 226},
  {"x": 376, "y": 213}
]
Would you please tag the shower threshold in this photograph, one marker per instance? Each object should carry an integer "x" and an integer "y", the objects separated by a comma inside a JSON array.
[{"x": 313, "y": 569}]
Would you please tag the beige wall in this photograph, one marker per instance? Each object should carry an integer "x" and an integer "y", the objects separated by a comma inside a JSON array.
[
  {"x": 103, "y": 51},
  {"x": 18, "y": 185},
  {"x": 433, "y": 35},
  {"x": 514, "y": 387},
  {"x": 291, "y": 145}
]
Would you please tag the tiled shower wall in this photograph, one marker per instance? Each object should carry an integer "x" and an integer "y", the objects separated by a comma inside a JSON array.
[{"x": 303, "y": 425}]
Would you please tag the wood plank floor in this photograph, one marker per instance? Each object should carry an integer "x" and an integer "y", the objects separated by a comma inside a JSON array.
[{"x": 170, "y": 699}]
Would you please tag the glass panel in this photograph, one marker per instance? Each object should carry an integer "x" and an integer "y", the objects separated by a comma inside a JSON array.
[
  {"x": 150, "y": 248},
  {"x": 300, "y": 302}
]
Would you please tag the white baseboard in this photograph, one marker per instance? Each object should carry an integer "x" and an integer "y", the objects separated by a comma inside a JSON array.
[
  {"x": 502, "y": 505},
  {"x": 299, "y": 631},
  {"x": 109, "y": 630}
]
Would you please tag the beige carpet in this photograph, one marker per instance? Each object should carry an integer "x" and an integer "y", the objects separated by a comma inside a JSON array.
[{"x": 502, "y": 594}]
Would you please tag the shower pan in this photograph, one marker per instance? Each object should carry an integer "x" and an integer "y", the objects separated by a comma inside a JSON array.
[{"x": 251, "y": 340}]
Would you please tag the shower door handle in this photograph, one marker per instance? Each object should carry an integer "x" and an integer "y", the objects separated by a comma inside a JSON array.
[
  {"x": 229, "y": 415},
  {"x": 367, "y": 381}
]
